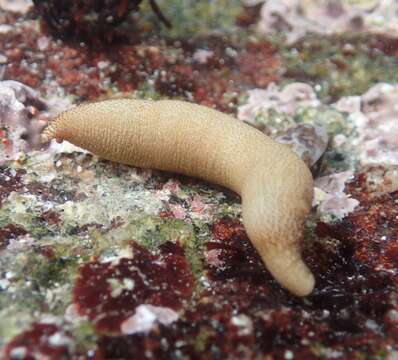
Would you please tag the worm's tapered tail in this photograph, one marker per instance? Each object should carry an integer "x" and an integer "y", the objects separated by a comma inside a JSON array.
[{"x": 275, "y": 185}]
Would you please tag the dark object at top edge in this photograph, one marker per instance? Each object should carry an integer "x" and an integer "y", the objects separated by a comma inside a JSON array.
[{"x": 84, "y": 19}]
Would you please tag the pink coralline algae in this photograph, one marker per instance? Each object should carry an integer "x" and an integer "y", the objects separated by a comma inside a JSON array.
[
  {"x": 306, "y": 140},
  {"x": 330, "y": 194},
  {"x": 119, "y": 297},
  {"x": 379, "y": 132},
  {"x": 287, "y": 100},
  {"x": 373, "y": 226},
  {"x": 146, "y": 316},
  {"x": 374, "y": 115},
  {"x": 296, "y": 18}
]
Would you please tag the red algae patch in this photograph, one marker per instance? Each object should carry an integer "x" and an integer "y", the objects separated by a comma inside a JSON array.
[
  {"x": 10, "y": 180},
  {"x": 388, "y": 45},
  {"x": 215, "y": 74},
  {"x": 231, "y": 256},
  {"x": 112, "y": 294},
  {"x": 238, "y": 278},
  {"x": 372, "y": 229},
  {"x": 8, "y": 232},
  {"x": 211, "y": 70},
  {"x": 242, "y": 312},
  {"x": 356, "y": 264},
  {"x": 42, "y": 341}
]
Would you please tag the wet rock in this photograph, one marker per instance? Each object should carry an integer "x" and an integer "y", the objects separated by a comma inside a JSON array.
[{"x": 67, "y": 220}]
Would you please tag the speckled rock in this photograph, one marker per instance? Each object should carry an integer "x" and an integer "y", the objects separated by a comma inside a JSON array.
[
  {"x": 307, "y": 141},
  {"x": 273, "y": 111},
  {"x": 100, "y": 260},
  {"x": 333, "y": 202},
  {"x": 377, "y": 126},
  {"x": 20, "y": 124}
]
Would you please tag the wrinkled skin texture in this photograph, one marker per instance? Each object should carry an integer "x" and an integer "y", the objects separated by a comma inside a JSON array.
[{"x": 275, "y": 185}]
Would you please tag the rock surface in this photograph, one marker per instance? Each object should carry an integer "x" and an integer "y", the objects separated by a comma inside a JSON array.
[{"x": 101, "y": 260}]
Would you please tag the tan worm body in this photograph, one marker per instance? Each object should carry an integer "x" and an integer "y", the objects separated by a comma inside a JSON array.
[{"x": 275, "y": 185}]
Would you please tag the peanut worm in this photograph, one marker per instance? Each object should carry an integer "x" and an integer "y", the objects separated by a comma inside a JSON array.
[{"x": 275, "y": 185}]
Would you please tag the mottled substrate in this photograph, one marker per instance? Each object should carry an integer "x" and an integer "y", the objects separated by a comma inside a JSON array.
[
  {"x": 237, "y": 309},
  {"x": 293, "y": 19},
  {"x": 208, "y": 69},
  {"x": 343, "y": 66},
  {"x": 106, "y": 261}
]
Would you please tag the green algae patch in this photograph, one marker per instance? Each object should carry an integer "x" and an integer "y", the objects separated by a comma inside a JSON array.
[
  {"x": 333, "y": 121},
  {"x": 193, "y": 18},
  {"x": 49, "y": 272},
  {"x": 35, "y": 285},
  {"x": 24, "y": 210},
  {"x": 12, "y": 319},
  {"x": 147, "y": 90},
  {"x": 43, "y": 282},
  {"x": 84, "y": 335},
  {"x": 342, "y": 65},
  {"x": 336, "y": 157},
  {"x": 201, "y": 340},
  {"x": 153, "y": 231}
]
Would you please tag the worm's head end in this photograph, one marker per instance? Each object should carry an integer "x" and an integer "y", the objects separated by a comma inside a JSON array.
[{"x": 48, "y": 133}]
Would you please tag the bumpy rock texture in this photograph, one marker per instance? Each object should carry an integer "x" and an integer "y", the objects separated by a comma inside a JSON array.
[
  {"x": 101, "y": 260},
  {"x": 296, "y": 18}
]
